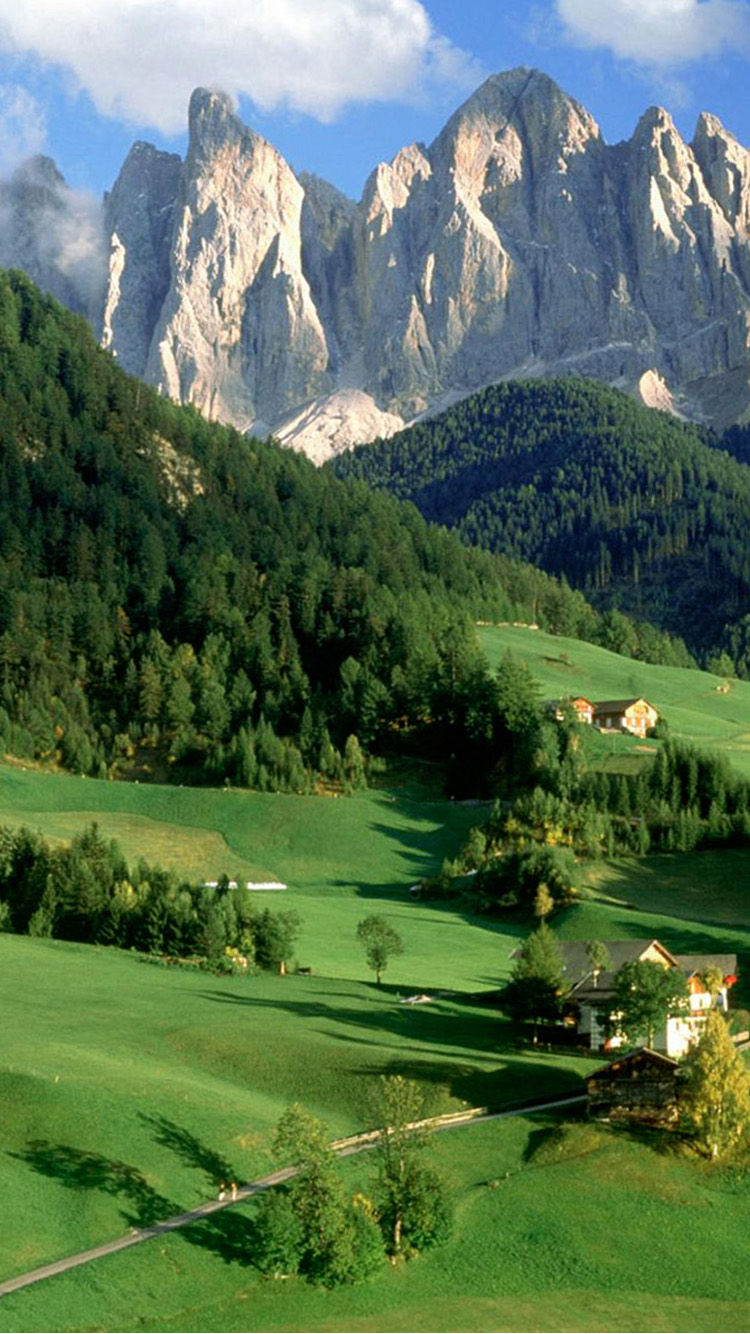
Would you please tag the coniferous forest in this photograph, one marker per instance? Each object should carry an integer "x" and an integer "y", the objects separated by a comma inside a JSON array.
[
  {"x": 642, "y": 512},
  {"x": 177, "y": 599}
]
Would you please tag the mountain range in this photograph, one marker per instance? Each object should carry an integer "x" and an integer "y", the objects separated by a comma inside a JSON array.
[{"x": 518, "y": 244}]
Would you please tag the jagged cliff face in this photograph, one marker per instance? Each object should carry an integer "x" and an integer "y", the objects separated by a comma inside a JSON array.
[{"x": 517, "y": 244}]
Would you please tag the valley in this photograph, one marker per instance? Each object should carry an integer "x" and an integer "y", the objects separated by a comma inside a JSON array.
[
  {"x": 300, "y": 833},
  {"x": 130, "y": 1089}
]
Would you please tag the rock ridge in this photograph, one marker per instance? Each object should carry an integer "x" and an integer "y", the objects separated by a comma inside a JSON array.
[{"x": 517, "y": 243}]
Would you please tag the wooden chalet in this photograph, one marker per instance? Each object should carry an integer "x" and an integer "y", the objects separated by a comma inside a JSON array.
[
  {"x": 625, "y": 715},
  {"x": 641, "y": 1086}
]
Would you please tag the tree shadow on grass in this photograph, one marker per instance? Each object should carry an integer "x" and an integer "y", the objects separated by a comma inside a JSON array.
[
  {"x": 503, "y": 1087},
  {"x": 437, "y": 1024},
  {"x": 228, "y": 1234},
  {"x": 190, "y": 1150},
  {"x": 81, "y": 1170}
]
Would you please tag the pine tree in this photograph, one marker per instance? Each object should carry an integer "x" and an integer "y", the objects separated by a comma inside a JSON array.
[
  {"x": 533, "y": 992},
  {"x": 716, "y": 1100}
]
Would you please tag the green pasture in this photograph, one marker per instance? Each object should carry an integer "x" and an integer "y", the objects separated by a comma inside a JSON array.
[
  {"x": 342, "y": 858},
  {"x": 690, "y": 700},
  {"x": 586, "y": 1229},
  {"x": 129, "y": 1090},
  {"x": 712, "y": 887},
  {"x": 375, "y": 838}
]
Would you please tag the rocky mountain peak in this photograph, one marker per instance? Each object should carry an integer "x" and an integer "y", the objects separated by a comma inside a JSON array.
[
  {"x": 531, "y": 103},
  {"x": 138, "y": 218},
  {"x": 725, "y": 165},
  {"x": 38, "y": 173},
  {"x": 517, "y": 243},
  {"x": 212, "y": 117}
]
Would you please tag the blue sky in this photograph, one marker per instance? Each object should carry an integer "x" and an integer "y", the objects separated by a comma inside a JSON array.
[{"x": 339, "y": 85}]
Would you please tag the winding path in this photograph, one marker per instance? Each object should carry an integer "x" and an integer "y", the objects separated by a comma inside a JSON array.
[{"x": 344, "y": 1149}]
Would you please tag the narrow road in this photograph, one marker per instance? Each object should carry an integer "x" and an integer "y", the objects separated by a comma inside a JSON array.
[{"x": 344, "y": 1149}]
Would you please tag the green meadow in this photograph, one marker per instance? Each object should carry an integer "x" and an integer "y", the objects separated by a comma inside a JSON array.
[
  {"x": 690, "y": 700},
  {"x": 129, "y": 1089},
  {"x": 556, "y": 1230},
  {"x": 341, "y": 857}
]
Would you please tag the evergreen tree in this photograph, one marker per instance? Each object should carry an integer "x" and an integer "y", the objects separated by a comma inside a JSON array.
[
  {"x": 274, "y": 937},
  {"x": 534, "y": 989}
]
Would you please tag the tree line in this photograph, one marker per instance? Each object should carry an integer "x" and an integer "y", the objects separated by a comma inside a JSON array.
[{"x": 85, "y": 891}]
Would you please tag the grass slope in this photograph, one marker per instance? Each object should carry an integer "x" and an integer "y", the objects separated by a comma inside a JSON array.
[
  {"x": 689, "y": 699},
  {"x": 129, "y": 1090},
  {"x": 341, "y": 857},
  {"x": 588, "y": 1231}
]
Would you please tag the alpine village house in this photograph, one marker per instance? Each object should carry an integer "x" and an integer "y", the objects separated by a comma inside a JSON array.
[
  {"x": 611, "y": 715},
  {"x": 588, "y": 1002}
]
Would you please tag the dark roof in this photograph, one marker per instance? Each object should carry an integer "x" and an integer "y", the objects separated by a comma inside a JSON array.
[
  {"x": 641, "y": 1056},
  {"x": 618, "y": 705},
  {"x": 576, "y": 960},
  {"x": 577, "y": 970},
  {"x": 697, "y": 963}
]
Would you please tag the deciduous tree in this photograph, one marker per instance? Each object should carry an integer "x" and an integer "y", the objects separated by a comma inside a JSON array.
[
  {"x": 412, "y": 1199},
  {"x": 381, "y": 942},
  {"x": 340, "y": 1241},
  {"x": 716, "y": 1099},
  {"x": 645, "y": 993}
]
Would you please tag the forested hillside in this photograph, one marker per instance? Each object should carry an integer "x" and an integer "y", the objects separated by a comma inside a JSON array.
[
  {"x": 177, "y": 598},
  {"x": 633, "y": 506}
]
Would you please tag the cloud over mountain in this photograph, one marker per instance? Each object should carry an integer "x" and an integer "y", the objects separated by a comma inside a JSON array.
[
  {"x": 23, "y": 126},
  {"x": 139, "y": 60}
]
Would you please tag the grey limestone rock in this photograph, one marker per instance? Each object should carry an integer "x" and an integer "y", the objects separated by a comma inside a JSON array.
[
  {"x": 54, "y": 234},
  {"x": 138, "y": 218},
  {"x": 239, "y": 334},
  {"x": 518, "y": 243}
]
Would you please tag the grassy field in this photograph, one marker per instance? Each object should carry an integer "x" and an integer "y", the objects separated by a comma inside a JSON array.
[
  {"x": 313, "y": 843},
  {"x": 689, "y": 700},
  {"x": 701, "y": 887},
  {"x": 341, "y": 857},
  {"x": 584, "y": 1230},
  {"x": 128, "y": 1090}
]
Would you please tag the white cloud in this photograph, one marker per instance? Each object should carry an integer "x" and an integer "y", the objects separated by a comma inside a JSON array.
[
  {"x": 23, "y": 127},
  {"x": 140, "y": 59},
  {"x": 658, "y": 32}
]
